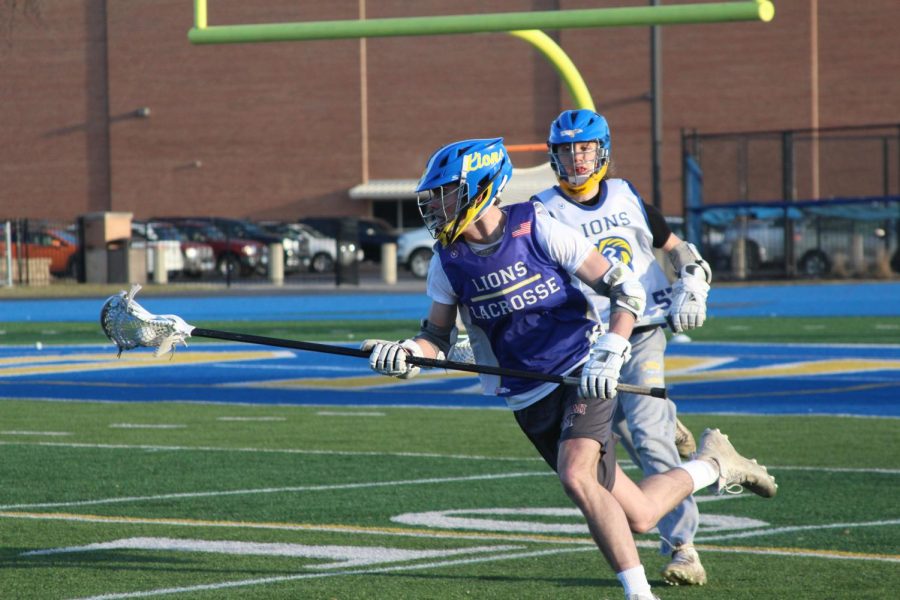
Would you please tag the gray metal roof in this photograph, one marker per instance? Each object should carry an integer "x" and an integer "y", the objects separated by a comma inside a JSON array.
[
  {"x": 524, "y": 184},
  {"x": 385, "y": 189}
]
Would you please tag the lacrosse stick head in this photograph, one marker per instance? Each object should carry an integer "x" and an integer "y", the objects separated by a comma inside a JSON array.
[{"x": 129, "y": 325}]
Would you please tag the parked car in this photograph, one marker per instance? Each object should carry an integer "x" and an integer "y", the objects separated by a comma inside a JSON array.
[
  {"x": 818, "y": 243},
  {"x": 414, "y": 251},
  {"x": 321, "y": 248},
  {"x": 233, "y": 255},
  {"x": 296, "y": 253},
  {"x": 144, "y": 236},
  {"x": 61, "y": 247},
  {"x": 196, "y": 258},
  {"x": 372, "y": 233}
]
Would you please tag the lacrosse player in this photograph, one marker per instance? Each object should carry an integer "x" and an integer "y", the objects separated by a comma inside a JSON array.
[
  {"x": 511, "y": 275},
  {"x": 611, "y": 215}
]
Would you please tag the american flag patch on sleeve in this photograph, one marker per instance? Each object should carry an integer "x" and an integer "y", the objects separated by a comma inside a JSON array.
[{"x": 523, "y": 229}]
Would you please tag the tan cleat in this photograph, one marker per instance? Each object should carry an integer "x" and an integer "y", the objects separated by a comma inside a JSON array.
[
  {"x": 685, "y": 568},
  {"x": 734, "y": 469},
  {"x": 684, "y": 440}
]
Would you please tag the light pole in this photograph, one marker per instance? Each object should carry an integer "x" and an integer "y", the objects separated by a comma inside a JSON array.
[{"x": 655, "y": 110}]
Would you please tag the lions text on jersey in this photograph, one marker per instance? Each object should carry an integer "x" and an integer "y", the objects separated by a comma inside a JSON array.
[
  {"x": 618, "y": 227},
  {"x": 520, "y": 305}
]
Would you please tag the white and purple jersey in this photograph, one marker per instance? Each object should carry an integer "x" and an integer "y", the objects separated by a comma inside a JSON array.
[
  {"x": 619, "y": 228},
  {"x": 519, "y": 303}
]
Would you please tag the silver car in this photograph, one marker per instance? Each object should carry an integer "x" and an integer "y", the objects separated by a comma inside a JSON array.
[{"x": 414, "y": 251}]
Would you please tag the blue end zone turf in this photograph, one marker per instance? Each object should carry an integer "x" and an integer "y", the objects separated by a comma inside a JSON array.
[
  {"x": 737, "y": 378},
  {"x": 704, "y": 378}
]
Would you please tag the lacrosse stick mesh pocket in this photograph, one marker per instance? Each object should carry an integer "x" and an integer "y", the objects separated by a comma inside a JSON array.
[{"x": 129, "y": 325}]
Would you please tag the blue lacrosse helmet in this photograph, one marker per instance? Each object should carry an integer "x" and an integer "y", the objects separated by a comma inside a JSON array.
[
  {"x": 571, "y": 127},
  {"x": 460, "y": 182}
]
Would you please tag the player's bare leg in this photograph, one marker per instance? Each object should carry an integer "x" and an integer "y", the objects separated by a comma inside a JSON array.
[
  {"x": 717, "y": 465},
  {"x": 608, "y": 524},
  {"x": 647, "y": 502}
]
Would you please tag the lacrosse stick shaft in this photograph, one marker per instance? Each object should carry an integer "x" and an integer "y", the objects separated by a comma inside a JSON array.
[{"x": 418, "y": 361}]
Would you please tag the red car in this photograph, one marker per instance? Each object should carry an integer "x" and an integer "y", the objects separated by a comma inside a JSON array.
[{"x": 233, "y": 255}]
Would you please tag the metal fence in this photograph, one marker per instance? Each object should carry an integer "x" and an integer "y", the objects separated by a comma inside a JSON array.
[
  {"x": 799, "y": 203},
  {"x": 37, "y": 252},
  {"x": 819, "y": 239}
]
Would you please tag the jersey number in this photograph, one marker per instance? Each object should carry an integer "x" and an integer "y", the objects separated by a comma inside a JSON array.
[{"x": 661, "y": 297}]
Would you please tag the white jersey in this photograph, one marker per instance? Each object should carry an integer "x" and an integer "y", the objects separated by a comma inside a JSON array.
[{"x": 617, "y": 225}]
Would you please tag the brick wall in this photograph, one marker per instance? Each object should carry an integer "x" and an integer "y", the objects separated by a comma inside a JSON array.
[{"x": 274, "y": 130}]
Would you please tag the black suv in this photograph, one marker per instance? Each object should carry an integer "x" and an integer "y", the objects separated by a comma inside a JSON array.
[{"x": 372, "y": 232}]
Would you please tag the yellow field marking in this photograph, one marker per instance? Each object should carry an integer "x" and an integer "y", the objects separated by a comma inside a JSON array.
[
  {"x": 343, "y": 383},
  {"x": 435, "y": 533},
  {"x": 815, "y": 367},
  {"x": 813, "y": 391},
  {"x": 48, "y": 358},
  {"x": 73, "y": 363},
  {"x": 678, "y": 370},
  {"x": 768, "y": 550},
  {"x": 679, "y": 364},
  {"x": 349, "y": 529}
]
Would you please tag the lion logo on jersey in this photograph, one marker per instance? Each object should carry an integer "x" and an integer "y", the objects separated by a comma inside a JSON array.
[{"x": 616, "y": 250}]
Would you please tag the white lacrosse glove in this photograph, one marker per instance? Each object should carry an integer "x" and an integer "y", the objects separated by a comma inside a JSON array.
[
  {"x": 600, "y": 374},
  {"x": 389, "y": 358},
  {"x": 688, "y": 310},
  {"x": 462, "y": 351}
]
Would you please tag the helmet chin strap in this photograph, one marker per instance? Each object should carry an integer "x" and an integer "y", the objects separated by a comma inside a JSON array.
[
  {"x": 591, "y": 181},
  {"x": 461, "y": 222}
]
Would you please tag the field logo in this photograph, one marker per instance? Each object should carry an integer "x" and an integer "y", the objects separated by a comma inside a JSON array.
[{"x": 546, "y": 520}]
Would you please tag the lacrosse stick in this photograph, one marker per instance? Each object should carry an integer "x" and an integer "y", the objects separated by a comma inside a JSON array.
[{"x": 129, "y": 325}]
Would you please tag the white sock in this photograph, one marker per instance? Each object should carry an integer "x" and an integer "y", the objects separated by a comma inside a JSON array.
[
  {"x": 634, "y": 580},
  {"x": 704, "y": 473}
]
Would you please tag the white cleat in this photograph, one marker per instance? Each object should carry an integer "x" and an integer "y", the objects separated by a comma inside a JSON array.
[
  {"x": 685, "y": 568},
  {"x": 735, "y": 471}
]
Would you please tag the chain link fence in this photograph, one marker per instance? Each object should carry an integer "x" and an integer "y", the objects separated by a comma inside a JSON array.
[
  {"x": 113, "y": 248},
  {"x": 801, "y": 203},
  {"x": 37, "y": 252}
]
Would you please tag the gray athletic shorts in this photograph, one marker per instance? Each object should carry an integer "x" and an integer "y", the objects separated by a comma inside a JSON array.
[{"x": 562, "y": 415}]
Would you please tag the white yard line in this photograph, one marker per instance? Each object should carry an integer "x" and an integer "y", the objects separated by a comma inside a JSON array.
[
  {"x": 475, "y": 457},
  {"x": 146, "y": 426},
  {"x": 793, "y": 529},
  {"x": 261, "y": 419},
  {"x": 267, "y": 580},
  {"x": 586, "y": 547},
  {"x": 489, "y": 536},
  {"x": 278, "y": 490},
  {"x": 48, "y": 433},
  {"x": 273, "y": 451},
  {"x": 345, "y": 413}
]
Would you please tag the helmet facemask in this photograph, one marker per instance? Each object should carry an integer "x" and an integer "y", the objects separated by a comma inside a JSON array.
[
  {"x": 447, "y": 211},
  {"x": 593, "y": 169},
  {"x": 439, "y": 206}
]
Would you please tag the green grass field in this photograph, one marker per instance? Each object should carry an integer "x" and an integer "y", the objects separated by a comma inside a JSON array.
[
  {"x": 135, "y": 500},
  {"x": 329, "y": 485}
]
